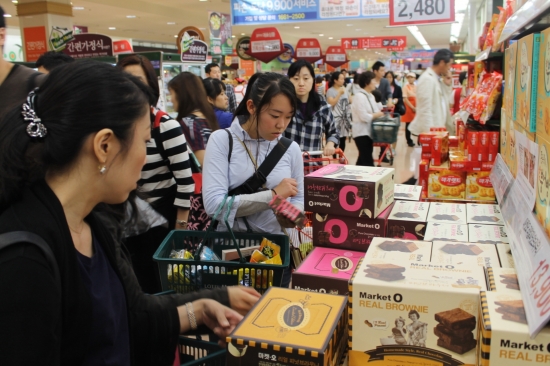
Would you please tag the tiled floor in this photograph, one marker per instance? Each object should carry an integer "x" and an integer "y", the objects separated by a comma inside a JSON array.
[{"x": 403, "y": 163}]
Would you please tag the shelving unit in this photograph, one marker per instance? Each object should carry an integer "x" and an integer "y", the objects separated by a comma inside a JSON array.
[{"x": 524, "y": 18}]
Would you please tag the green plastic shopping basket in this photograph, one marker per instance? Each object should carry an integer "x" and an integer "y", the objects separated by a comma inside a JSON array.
[
  {"x": 194, "y": 352},
  {"x": 188, "y": 275}
]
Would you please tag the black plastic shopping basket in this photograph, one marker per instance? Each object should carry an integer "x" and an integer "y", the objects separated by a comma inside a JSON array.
[
  {"x": 195, "y": 352},
  {"x": 188, "y": 275}
]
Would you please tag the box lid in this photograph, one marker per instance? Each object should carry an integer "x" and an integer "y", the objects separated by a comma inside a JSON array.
[
  {"x": 483, "y": 214},
  {"x": 448, "y": 232},
  {"x": 487, "y": 234},
  {"x": 502, "y": 279},
  {"x": 407, "y": 192},
  {"x": 467, "y": 254},
  {"x": 505, "y": 256},
  {"x": 391, "y": 250},
  {"x": 447, "y": 213},
  {"x": 328, "y": 262},
  {"x": 352, "y": 172},
  {"x": 410, "y": 211},
  {"x": 291, "y": 319}
]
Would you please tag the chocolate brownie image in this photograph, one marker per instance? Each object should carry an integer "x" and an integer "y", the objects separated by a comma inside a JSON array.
[
  {"x": 510, "y": 280},
  {"x": 512, "y": 310},
  {"x": 446, "y": 217},
  {"x": 353, "y": 233},
  {"x": 488, "y": 242},
  {"x": 456, "y": 319},
  {"x": 363, "y": 191},
  {"x": 457, "y": 334},
  {"x": 462, "y": 249},
  {"x": 385, "y": 277},
  {"x": 324, "y": 237},
  {"x": 407, "y": 215},
  {"x": 460, "y": 348},
  {"x": 451, "y": 339},
  {"x": 398, "y": 246},
  {"x": 518, "y": 318},
  {"x": 385, "y": 272},
  {"x": 380, "y": 193},
  {"x": 396, "y": 231},
  {"x": 333, "y": 196},
  {"x": 489, "y": 219},
  {"x": 404, "y": 195}
]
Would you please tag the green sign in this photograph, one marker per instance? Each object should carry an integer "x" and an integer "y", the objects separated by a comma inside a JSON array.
[{"x": 59, "y": 37}]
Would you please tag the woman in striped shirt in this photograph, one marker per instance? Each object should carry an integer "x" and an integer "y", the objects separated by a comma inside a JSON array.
[{"x": 166, "y": 179}]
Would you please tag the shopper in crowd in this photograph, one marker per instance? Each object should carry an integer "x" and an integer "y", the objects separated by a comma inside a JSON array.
[
  {"x": 353, "y": 87},
  {"x": 240, "y": 90},
  {"x": 213, "y": 71},
  {"x": 397, "y": 93},
  {"x": 195, "y": 114},
  {"x": 364, "y": 110},
  {"x": 313, "y": 116},
  {"x": 382, "y": 84},
  {"x": 261, "y": 119},
  {"x": 50, "y": 60},
  {"x": 459, "y": 93},
  {"x": 409, "y": 98},
  {"x": 15, "y": 80},
  {"x": 320, "y": 85},
  {"x": 338, "y": 98},
  {"x": 166, "y": 182},
  {"x": 215, "y": 91},
  {"x": 75, "y": 145}
]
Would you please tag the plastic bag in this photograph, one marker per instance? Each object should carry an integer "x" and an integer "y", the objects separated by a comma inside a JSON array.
[{"x": 498, "y": 29}]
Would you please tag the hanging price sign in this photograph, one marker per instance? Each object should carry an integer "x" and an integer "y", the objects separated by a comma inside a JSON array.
[{"x": 410, "y": 12}]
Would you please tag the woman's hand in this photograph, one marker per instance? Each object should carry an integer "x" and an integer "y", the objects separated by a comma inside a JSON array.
[
  {"x": 329, "y": 149},
  {"x": 377, "y": 115},
  {"x": 287, "y": 188},
  {"x": 220, "y": 319},
  {"x": 242, "y": 299}
]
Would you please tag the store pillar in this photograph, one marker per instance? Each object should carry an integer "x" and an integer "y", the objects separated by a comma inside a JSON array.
[{"x": 41, "y": 21}]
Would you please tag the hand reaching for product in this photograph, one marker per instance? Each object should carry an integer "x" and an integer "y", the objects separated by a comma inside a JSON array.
[
  {"x": 287, "y": 188},
  {"x": 242, "y": 299}
]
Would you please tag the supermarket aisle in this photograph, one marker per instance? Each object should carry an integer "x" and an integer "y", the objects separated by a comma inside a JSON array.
[{"x": 403, "y": 164}]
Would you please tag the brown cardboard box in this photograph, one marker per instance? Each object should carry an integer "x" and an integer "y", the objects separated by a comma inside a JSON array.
[
  {"x": 510, "y": 55},
  {"x": 542, "y": 203},
  {"x": 344, "y": 232},
  {"x": 543, "y": 95},
  {"x": 408, "y": 220},
  {"x": 349, "y": 190},
  {"x": 525, "y": 100}
]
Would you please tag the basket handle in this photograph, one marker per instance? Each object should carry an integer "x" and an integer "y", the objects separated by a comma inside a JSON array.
[
  {"x": 226, "y": 220},
  {"x": 210, "y": 228}
]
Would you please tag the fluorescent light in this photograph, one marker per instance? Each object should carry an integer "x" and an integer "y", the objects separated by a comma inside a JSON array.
[
  {"x": 457, "y": 26},
  {"x": 243, "y": 34},
  {"x": 296, "y": 27},
  {"x": 112, "y": 28},
  {"x": 171, "y": 23},
  {"x": 419, "y": 37},
  {"x": 330, "y": 37},
  {"x": 78, "y": 8},
  {"x": 175, "y": 36},
  {"x": 14, "y": 1},
  {"x": 7, "y": 15},
  {"x": 321, "y": 35},
  {"x": 233, "y": 36},
  {"x": 358, "y": 29},
  {"x": 130, "y": 16},
  {"x": 349, "y": 25},
  {"x": 461, "y": 5}
]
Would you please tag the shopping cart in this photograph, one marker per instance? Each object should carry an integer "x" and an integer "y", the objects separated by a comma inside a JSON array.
[
  {"x": 384, "y": 133},
  {"x": 189, "y": 275},
  {"x": 196, "y": 352}
]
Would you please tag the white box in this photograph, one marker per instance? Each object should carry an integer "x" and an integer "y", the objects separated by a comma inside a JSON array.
[
  {"x": 421, "y": 300},
  {"x": 407, "y": 192},
  {"x": 408, "y": 220},
  {"x": 448, "y": 232},
  {"x": 396, "y": 250},
  {"x": 447, "y": 213},
  {"x": 502, "y": 279},
  {"x": 467, "y": 254},
  {"x": 505, "y": 256},
  {"x": 487, "y": 234},
  {"x": 483, "y": 214}
]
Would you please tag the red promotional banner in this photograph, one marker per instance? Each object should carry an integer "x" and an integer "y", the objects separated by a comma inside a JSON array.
[
  {"x": 35, "y": 42},
  {"x": 308, "y": 49},
  {"x": 336, "y": 56},
  {"x": 123, "y": 46},
  {"x": 265, "y": 44},
  {"x": 374, "y": 42}
]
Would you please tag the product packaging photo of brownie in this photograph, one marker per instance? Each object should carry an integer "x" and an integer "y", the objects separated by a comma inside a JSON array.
[
  {"x": 406, "y": 192},
  {"x": 465, "y": 254},
  {"x": 289, "y": 327},
  {"x": 391, "y": 250},
  {"x": 487, "y": 234},
  {"x": 505, "y": 256},
  {"x": 502, "y": 279},
  {"x": 349, "y": 190},
  {"x": 408, "y": 220},
  {"x": 504, "y": 338},
  {"x": 483, "y": 214},
  {"x": 447, "y": 213},
  {"x": 326, "y": 270},
  {"x": 448, "y": 232},
  {"x": 414, "y": 313},
  {"x": 344, "y": 232}
]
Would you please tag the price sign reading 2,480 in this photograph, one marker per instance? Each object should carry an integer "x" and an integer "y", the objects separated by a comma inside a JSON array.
[{"x": 407, "y": 12}]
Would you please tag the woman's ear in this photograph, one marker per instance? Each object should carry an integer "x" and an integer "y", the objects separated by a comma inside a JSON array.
[
  {"x": 250, "y": 107},
  {"x": 210, "y": 100},
  {"x": 104, "y": 145}
]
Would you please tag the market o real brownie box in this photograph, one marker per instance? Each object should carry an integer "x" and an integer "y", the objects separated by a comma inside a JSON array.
[
  {"x": 505, "y": 339},
  {"x": 487, "y": 234},
  {"x": 502, "y": 279},
  {"x": 408, "y": 220},
  {"x": 448, "y": 232},
  {"x": 345, "y": 232},
  {"x": 406, "y": 192},
  {"x": 326, "y": 270},
  {"x": 483, "y": 214},
  {"x": 398, "y": 250},
  {"x": 505, "y": 256},
  {"x": 467, "y": 254},
  {"x": 526, "y": 85},
  {"x": 349, "y": 190},
  {"x": 290, "y": 327},
  {"x": 414, "y": 314},
  {"x": 447, "y": 213}
]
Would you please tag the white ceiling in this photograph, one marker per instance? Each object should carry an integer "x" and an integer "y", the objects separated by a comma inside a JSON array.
[{"x": 152, "y": 17}]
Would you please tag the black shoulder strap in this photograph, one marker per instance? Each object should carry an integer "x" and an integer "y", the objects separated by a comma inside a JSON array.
[
  {"x": 15, "y": 237},
  {"x": 230, "y": 144},
  {"x": 274, "y": 156}
]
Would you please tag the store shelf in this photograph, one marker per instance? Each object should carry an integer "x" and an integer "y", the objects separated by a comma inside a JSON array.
[
  {"x": 526, "y": 16},
  {"x": 487, "y": 54}
]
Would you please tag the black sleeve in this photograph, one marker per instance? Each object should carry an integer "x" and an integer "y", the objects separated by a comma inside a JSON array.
[{"x": 29, "y": 309}]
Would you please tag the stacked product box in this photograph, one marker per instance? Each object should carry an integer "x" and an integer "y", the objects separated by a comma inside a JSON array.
[
  {"x": 542, "y": 203},
  {"x": 406, "y": 192},
  {"x": 505, "y": 256},
  {"x": 483, "y": 214},
  {"x": 510, "y": 58},
  {"x": 526, "y": 84},
  {"x": 424, "y": 176},
  {"x": 504, "y": 336},
  {"x": 348, "y": 204},
  {"x": 391, "y": 250},
  {"x": 408, "y": 220},
  {"x": 326, "y": 270},
  {"x": 289, "y": 327},
  {"x": 448, "y": 232},
  {"x": 435, "y": 145},
  {"x": 487, "y": 234},
  {"x": 446, "y": 184},
  {"x": 413, "y": 313},
  {"x": 467, "y": 254},
  {"x": 447, "y": 221},
  {"x": 502, "y": 279}
]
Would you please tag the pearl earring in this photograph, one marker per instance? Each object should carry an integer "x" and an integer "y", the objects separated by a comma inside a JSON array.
[{"x": 102, "y": 169}]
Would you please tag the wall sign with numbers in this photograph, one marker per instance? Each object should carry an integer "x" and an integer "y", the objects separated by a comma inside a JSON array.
[
  {"x": 308, "y": 49},
  {"x": 265, "y": 44},
  {"x": 410, "y": 12}
]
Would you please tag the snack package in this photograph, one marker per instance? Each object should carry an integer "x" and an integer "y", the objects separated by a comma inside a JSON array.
[
  {"x": 269, "y": 248},
  {"x": 498, "y": 28},
  {"x": 282, "y": 207},
  {"x": 258, "y": 257},
  {"x": 208, "y": 255},
  {"x": 490, "y": 34}
]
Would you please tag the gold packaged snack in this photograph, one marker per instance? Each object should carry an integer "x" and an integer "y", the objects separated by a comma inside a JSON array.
[{"x": 269, "y": 248}]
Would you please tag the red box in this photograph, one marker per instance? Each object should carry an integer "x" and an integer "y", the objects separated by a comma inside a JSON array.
[
  {"x": 424, "y": 168},
  {"x": 472, "y": 143},
  {"x": 487, "y": 166},
  {"x": 440, "y": 149},
  {"x": 453, "y": 141},
  {"x": 461, "y": 134},
  {"x": 426, "y": 156},
  {"x": 438, "y": 129},
  {"x": 494, "y": 138},
  {"x": 459, "y": 163},
  {"x": 475, "y": 166},
  {"x": 483, "y": 143}
]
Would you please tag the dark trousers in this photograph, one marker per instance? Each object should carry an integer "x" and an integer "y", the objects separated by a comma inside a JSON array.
[
  {"x": 364, "y": 146},
  {"x": 408, "y": 134},
  {"x": 342, "y": 144}
]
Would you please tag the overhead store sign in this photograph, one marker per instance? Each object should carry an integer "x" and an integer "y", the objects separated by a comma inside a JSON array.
[
  {"x": 35, "y": 42},
  {"x": 122, "y": 46},
  {"x": 243, "y": 45},
  {"x": 59, "y": 37},
  {"x": 287, "y": 57},
  {"x": 373, "y": 42},
  {"x": 308, "y": 49},
  {"x": 336, "y": 56},
  {"x": 220, "y": 33},
  {"x": 89, "y": 45},
  {"x": 421, "y": 54},
  {"x": 410, "y": 12},
  {"x": 194, "y": 51},
  {"x": 266, "y": 44},
  {"x": 188, "y": 33},
  {"x": 246, "y": 12}
]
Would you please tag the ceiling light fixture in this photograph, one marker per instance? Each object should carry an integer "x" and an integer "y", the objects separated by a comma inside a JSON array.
[
  {"x": 358, "y": 29},
  {"x": 349, "y": 25},
  {"x": 78, "y": 8},
  {"x": 330, "y": 37},
  {"x": 14, "y": 1},
  {"x": 419, "y": 37},
  {"x": 233, "y": 36},
  {"x": 171, "y": 23},
  {"x": 175, "y": 36},
  {"x": 321, "y": 35},
  {"x": 7, "y": 15},
  {"x": 296, "y": 27},
  {"x": 112, "y": 28},
  {"x": 130, "y": 16}
]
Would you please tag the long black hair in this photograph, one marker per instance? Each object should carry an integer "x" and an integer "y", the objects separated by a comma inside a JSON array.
[
  {"x": 393, "y": 83},
  {"x": 334, "y": 77},
  {"x": 76, "y": 101},
  {"x": 314, "y": 99},
  {"x": 148, "y": 69},
  {"x": 213, "y": 87}
]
